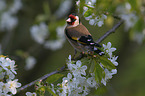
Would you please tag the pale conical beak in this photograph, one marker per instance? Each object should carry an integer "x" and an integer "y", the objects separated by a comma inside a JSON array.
[{"x": 68, "y": 20}]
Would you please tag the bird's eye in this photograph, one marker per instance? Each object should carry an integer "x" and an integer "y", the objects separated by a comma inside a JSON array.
[{"x": 73, "y": 20}]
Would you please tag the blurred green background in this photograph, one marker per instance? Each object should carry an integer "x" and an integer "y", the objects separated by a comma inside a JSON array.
[{"x": 129, "y": 81}]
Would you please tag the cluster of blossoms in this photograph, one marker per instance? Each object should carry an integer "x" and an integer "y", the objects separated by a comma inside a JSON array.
[
  {"x": 41, "y": 32},
  {"x": 78, "y": 82},
  {"x": 92, "y": 18},
  {"x": 8, "y": 20},
  {"x": 8, "y": 82},
  {"x": 130, "y": 18},
  {"x": 108, "y": 49}
]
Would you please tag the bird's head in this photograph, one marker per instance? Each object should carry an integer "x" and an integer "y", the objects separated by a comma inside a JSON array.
[{"x": 73, "y": 20}]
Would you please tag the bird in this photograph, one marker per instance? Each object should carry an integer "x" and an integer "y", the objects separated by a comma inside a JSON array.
[{"x": 79, "y": 36}]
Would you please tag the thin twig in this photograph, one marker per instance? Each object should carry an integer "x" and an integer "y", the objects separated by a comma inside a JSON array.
[
  {"x": 41, "y": 78},
  {"x": 110, "y": 31},
  {"x": 116, "y": 17}
]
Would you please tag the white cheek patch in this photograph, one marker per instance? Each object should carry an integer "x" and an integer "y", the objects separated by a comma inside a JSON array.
[
  {"x": 68, "y": 20},
  {"x": 77, "y": 21}
]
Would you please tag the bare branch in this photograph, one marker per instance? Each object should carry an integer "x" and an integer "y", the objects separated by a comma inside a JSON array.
[
  {"x": 41, "y": 78},
  {"x": 110, "y": 31}
]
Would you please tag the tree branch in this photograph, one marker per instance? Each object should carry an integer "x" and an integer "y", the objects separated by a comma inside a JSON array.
[
  {"x": 103, "y": 37},
  {"x": 41, "y": 78},
  {"x": 110, "y": 31},
  {"x": 79, "y": 57}
]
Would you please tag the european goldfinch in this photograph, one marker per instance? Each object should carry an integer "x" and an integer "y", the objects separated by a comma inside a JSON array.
[{"x": 79, "y": 36}]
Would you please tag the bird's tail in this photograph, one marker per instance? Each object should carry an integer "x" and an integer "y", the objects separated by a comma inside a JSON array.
[
  {"x": 97, "y": 45},
  {"x": 98, "y": 51}
]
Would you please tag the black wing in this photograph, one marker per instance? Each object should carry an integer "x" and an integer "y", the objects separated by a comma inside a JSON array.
[{"x": 88, "y": 40}]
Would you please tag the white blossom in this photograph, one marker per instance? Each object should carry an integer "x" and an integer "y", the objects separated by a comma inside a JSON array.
[
  {"x": 2, "y": 5},
  {"x": 139, "y": 37},
  {"x": 127, "y": 6},
  {"x": 92, "y": 21},
  {"x": 90, "y": 2},
  {"x": 1, "y": 87},
  {"x": 100, "y": 23},
  {"x": 6, "y": 62},
  {"x": 91, "y": 81},
  {"x": 4, "y": 94},
  {"x": 89, "y": 18},
  {"x": 114, "y": 71},
  {"x": 113, "y": 60},
  {"x": 17, "y": 5},
  {"x": 10, "y": 75},
  {"x": 58, "y": 43},
  {"x": 78, "y": 69},
  {"x": 8, "y": 22},
  {"x": 78, "y": 2},
  {"x": 30, "y": 62},
  {"x": 69, "y": 58},
  {"x": 31, "y": 94},
  {"x": 12, "y": 67},
  {"x": 108, "y": 49},
  {"x": 5, "y": 87},
  {"x": 39, "y": 32},
  {"x": 69, "y": 76},
  {"x": 52, "y": 88},
  {"x": 2, "y": 74},
  {"x": 53, "y": 44},
  {"x": 13, "y": 85},
  {"x": 108, "y": 75}
]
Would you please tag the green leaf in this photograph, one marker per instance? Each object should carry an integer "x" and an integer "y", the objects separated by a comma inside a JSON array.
[
  {"x": 50, "y": 91},
  {"x": 54, "y": 78},
  {"x": 101, "y": 90},
  {"x": 99, "y": 72},
  {"x": 88, "y": 12},
  {"x": 41, "y": 91},
  {"x": 92, "y": 67},
  {"x": 107, "y": 63}
]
